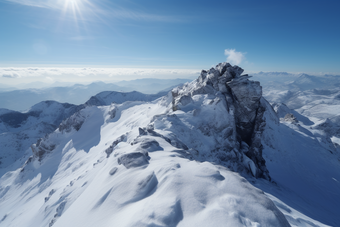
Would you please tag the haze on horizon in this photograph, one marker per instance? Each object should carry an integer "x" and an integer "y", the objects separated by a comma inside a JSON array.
[{"x": 85, "y": 41}]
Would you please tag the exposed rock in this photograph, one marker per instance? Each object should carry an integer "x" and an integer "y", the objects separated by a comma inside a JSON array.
[
  {"x": 133, "y": 160},
  {"x": 147, "y": 144},
  {"x": 173, "y": 141},
  {"x": 242, "y": 98},
  {"x": 49, "y": 195},
  {"x": 41, "y": 148},
  {"x": 73, "y": 122},
  {"x": 113, "y": 112},
  {"x": 247, "y": 95},
  {"x": 113, "y": 171},
  {"x": 282, "y": 110},
  {"x": 110, "y": 149},
  {"x": 16, "y": 119},
  {"x": 290, "y": 118}
]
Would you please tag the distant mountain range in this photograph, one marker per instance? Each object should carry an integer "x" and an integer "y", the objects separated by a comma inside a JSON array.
[
  {"x": 21, "y": 100},
  {"x": 296, "y": 82}
]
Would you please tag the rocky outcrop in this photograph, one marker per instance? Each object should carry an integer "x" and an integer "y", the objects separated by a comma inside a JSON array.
[
  {"x": 242, "y": 101},
  {"x": 110, "y": 149},
  {"x": 74, "y": 122},
  {"x": 150, "y": 131},
  {"x": 290, "y": 118},
  {"x": 42, "y": 147}
]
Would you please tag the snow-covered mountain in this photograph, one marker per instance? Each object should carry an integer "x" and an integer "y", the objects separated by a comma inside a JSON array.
[
  {"x": 296, "y": 82},
  {"x": 315, "y": 103},
  {"x": 152, "y": 85},
  {"x": 21, "y": 100},
  {"x": 18, "y": 131},
  {"x": 212, "y": 152},
  {"x": 108, "y": 97},
  {"x": 315, "y": 97}
]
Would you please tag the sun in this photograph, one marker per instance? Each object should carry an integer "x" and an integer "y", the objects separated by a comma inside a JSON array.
[
  {"x": 73, "y": 7},
  {"x": 79, "y": 11},
  {"x": 73, "y": 4}
]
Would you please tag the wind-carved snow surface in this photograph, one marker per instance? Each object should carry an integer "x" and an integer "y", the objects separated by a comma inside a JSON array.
[{"x": 185, "y": 159}]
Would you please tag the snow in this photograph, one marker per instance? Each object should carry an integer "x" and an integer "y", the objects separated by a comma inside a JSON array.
[
  {"x": 146, "y": 163},
  {"x": 335, "y": 140},
  {"x": 303, "y": 166},
  {"x": 84, "y": 188}
]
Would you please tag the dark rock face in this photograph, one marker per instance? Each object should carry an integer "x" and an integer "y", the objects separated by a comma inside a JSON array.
[
  {"x": 242, "y": 97},
  {"x": 75, "y": 122},
  {"x": 15, "y": 119},
  {"x": 110, "y": 149},
  {"x": 291, "y": 118},
  {"x": 173, "y": 141},
  {"x": 247, "y": 95},
  {"x": 41, "y": 148},
  {"x": 147, "y": 144},
  {"x": 133, "y": 160}
]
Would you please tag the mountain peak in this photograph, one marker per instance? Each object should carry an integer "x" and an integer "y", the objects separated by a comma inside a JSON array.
[{"x": 241, "y": 100}]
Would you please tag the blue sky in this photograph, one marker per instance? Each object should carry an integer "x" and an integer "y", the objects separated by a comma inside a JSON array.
[{"x": 293, "y": 36}]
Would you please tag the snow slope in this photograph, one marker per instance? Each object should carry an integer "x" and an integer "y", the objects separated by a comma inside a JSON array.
[
  {"x": 18, "y": 130},
  {"x": 305, "y": 164},
  {"x": 203, "y": 155},
  {"x": 71, "y": 187}
]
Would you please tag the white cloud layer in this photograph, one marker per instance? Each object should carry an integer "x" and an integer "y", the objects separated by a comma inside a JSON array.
[
  {"x": 15, "y": 75},
  {"x": 234, "y": 57}
]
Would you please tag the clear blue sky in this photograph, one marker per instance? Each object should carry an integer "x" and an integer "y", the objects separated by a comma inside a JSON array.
[{"x": 294, "y": 36}]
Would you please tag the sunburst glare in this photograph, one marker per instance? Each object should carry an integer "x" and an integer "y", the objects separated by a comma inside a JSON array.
[{"x": 77, "y": 8}]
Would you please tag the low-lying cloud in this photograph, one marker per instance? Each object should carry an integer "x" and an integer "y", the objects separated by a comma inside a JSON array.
[
  {"x": 234, "y": 57},
  {"x": 13, "y": 76}
]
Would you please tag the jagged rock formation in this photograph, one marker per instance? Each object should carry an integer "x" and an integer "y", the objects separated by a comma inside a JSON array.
[
  {"x": 73, "y": 122},
  {"x": 290, "y": 118},
  {"x": 242, "y": 101}
]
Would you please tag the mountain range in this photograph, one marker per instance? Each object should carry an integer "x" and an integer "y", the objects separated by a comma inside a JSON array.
[
  {"x": 21, "y": 100},
  {"x": 211, "y": 152}
]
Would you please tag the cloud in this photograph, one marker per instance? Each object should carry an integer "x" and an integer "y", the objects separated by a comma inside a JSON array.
[
  {"x": 88, "y": 74},
  {"x": 234, "y": 57},
  {"x": 13, "y": 75}
]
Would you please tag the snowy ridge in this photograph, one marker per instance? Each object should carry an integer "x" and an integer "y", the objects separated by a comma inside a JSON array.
[
  {"x": 108, "y": 97},
  {"x": 184, "y": 159}
]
